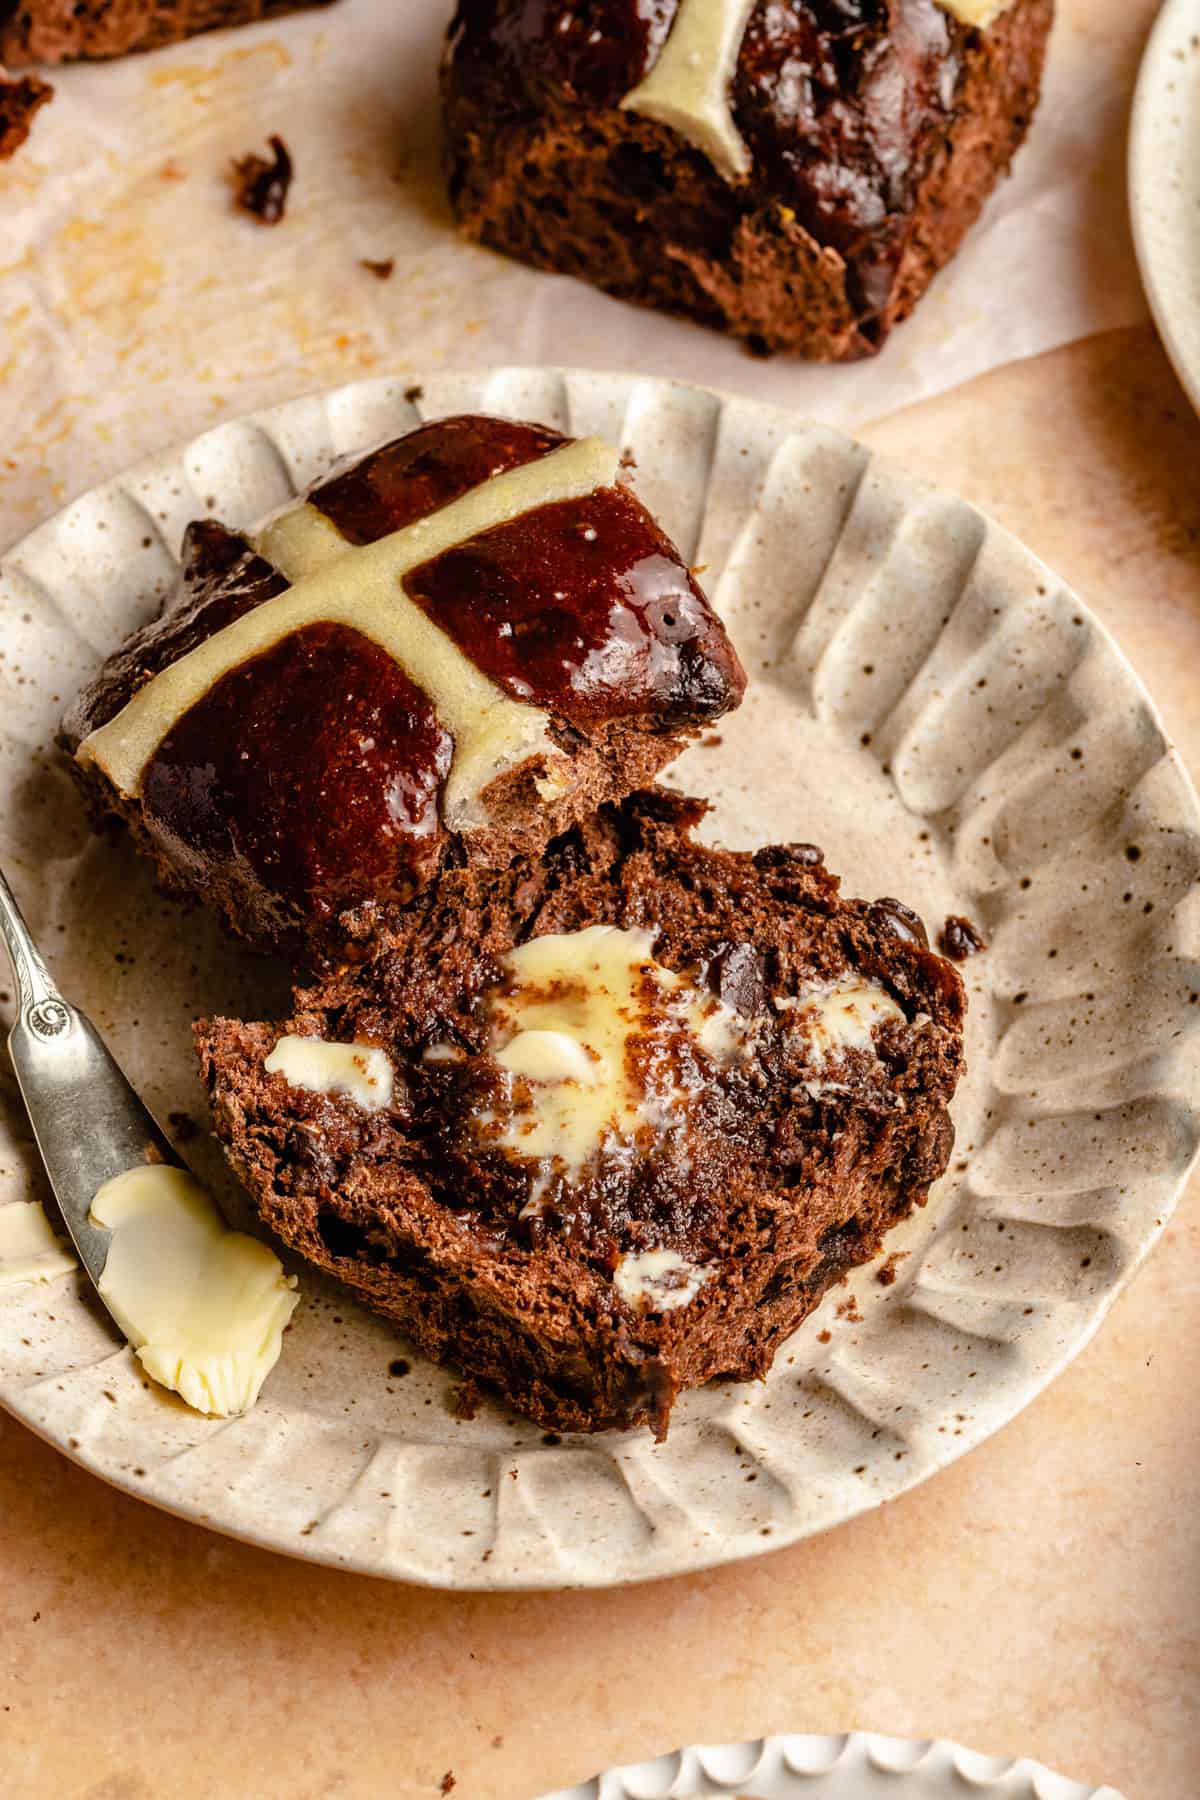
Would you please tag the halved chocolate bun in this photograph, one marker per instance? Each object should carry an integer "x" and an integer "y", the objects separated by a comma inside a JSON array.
[
  {"x": 609, "y": 1123},
  {"x": 446, "y": 653}
]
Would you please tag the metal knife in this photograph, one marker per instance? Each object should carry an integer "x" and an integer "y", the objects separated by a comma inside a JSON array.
[{"x": 87, "y": 1119}]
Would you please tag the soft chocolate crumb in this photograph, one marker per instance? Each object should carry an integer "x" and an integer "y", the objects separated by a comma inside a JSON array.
[
  {"x": 627, "y": 862},
  {"x": 848, "y": 1309},
  {"x": 468, "y": 1398},
  {"x": 381, "y": 270},
  {"x": 184, "y": 1126},
  {"x": 448, "y": 1783},
  {"x": 886, "y": 1275},
  {"x": 823, "y": 1337},
  {"x": 261, "y": 185},
  {"x": 399, "y": 1367},
  {"x": 960, "y": 938},
  {"x": 414, "y": 393}
]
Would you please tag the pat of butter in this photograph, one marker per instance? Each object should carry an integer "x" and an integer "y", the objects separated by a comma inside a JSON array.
[
  {"x": 599, "y": 1032},
  {"x": 551, "y": 1056},
  {"x": 657, "y": 1280},
  {"x": 841, "y": 1017},
  {"x": 204, "y": 1307},
  {"x": 29, "y": 1250},
  {"x": 980, "y": 13},
  {"x": 360, "y": 1071}
]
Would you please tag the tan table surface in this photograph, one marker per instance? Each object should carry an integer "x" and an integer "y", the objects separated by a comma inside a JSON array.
[{"x": 1040, "y": 1597}]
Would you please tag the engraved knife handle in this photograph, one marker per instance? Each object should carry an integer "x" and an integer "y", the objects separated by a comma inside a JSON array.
[{"x": 40, "y": 1006}]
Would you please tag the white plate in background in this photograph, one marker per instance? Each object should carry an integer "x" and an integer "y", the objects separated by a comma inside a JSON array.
[
  {"x": 855, "y": 1766},
  {"x": 1164, "y": 184}
]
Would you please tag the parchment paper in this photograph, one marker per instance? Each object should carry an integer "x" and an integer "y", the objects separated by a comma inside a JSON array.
[{"x": 136, "y": 306}]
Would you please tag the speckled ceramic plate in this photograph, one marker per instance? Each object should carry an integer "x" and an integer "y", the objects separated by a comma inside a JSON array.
[
  {"x": 857, "y": 1766},
  {"x": 930, "y": 704},
  {"x": 1164, "y": 183}
]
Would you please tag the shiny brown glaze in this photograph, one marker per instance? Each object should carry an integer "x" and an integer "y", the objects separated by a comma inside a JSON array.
[
  {"x": 594, "y": 53},
  {"x": 222, "y": 578},
  {"x": 426, "y": 469},
  {"x": 317, "y": 765},
  {"x": 840, "y": 102},
  {"x": 584, "y": 607}
]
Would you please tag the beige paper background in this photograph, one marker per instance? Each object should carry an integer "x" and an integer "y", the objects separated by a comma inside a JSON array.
[{"x": 1042, "y": 1596}]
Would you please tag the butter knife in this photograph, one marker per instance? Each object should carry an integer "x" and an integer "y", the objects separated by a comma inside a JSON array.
[{"x": 88, "y": 1121}]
